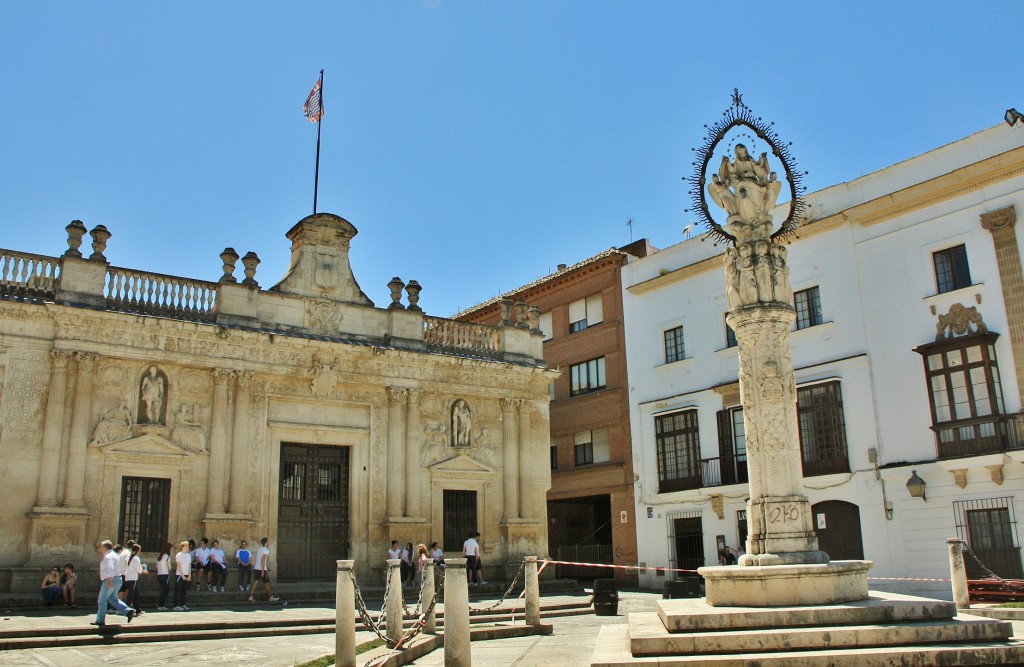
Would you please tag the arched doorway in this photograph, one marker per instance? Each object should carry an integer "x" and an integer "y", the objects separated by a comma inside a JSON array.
[{"x": 837, "y": 524}]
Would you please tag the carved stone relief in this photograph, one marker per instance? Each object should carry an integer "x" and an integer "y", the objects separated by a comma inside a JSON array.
[
  {"x": 114, "y": 425},
  {"x": 27, "y": 380},
  {"x": 959, "y": 321},
  {"x": 188, "y": 429}
]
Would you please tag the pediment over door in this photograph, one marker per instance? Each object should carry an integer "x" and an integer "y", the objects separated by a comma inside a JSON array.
[
  {"x": 146, "y": 445},
  {"x": 461, "y": 464}
]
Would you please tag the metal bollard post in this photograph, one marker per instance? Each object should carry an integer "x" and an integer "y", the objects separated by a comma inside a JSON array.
[
  {"x": 394, "y": 601},
  {"x": 456, "y": 615},
  {"x": 345, "y": 620},
  {"x": 532, "y": 592},
  {"x": 426, "y": 595},
  {"x": 958, "y": 573}
]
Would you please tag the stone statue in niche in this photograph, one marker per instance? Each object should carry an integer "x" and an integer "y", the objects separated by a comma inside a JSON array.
[
  {"x": 462, "y": 424},
  {"x": 151, "y": 396},
  {"x": 115, "y": 425},
  {"x": 188, "y": 432}
]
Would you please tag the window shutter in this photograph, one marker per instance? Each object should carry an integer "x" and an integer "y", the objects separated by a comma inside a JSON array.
[
  {"x": 725, "y": 447},
  {"x": 545, "y": 325},
  {"x": 601, "y": 450},
  {"x": 595, "y": 310},
  {"x": 577, "y": 311}
]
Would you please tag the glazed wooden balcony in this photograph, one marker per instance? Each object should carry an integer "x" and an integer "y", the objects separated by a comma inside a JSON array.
[{"x": 984, "y": 435}]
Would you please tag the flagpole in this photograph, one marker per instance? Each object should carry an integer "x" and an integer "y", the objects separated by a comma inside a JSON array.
[{"x": 316, "y": 178}]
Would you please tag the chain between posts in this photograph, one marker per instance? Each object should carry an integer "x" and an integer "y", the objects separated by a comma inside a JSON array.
[
  {"x": 364, "y": 613},
  {"x": 416, "y": 628},
  {"x": 522, "y": 570},
  {"x": 991, "y": 574}
]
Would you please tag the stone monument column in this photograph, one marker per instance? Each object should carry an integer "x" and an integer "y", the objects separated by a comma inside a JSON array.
[
  {"x": 74, "y": 483},
  {"x": 238, "y": 501},
  {"x": 396, "y": 451},
  {"x": 510, "y": 458},
  {"x": 526, "y": 510},
  {"x": 218, "y": 442},
  {"x": 413, "y": 442},
  {"x": 53, "y": 430}
]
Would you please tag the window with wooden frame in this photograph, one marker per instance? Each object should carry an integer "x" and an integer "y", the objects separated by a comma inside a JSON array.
[
  {"x": 585, "y": 313},
  {"x": 587, "y": 376},
  {"x": 952, "y": 271},
  {"x": 819, "y": 410},
  {"x": 678, "y": 449},
  {"x": 675, "y": 349},
  {"x": 808, "y": 308}
]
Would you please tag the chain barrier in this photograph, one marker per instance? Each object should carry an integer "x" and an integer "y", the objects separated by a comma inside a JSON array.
[
  {"x": 417, "y": 627},
  {"x": 364, "y": 613},
  {"x": 991, "y": 574},
  {"x": 504, "y": 596}
]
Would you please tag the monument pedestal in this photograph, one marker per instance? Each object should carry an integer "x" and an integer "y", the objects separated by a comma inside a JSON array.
[{"x": 786, "y": 585}]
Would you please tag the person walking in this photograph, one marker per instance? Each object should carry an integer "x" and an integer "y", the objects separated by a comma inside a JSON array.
[
  {"x": 182, "y": 576},
  {"x": 471, "y": 552},
  {"x": 108, "y": 589},
  {"x": 163, "y": 575},
  {"x": 218, "y": 566},
  {"x": 243, "y": 557},
  {"x": 134, "y": 568},
  {"x": 262, "y": 571}
]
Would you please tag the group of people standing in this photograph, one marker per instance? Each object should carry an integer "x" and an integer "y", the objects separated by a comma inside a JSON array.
[
  {"x": 413, "y": 559},
  {"x": 121, "y": 567}
]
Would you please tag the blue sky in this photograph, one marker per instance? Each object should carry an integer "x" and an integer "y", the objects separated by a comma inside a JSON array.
[{"x": 474, "y": 144}]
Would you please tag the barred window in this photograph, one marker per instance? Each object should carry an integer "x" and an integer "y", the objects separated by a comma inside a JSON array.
[
  {"x": 674, "y": 348},
  {"x": 808, "y": 308},
  {"x": 822, "y": 429},
  {"x": 989, "y": 527},
  {"x": 951, "y": 269},
  {"x": 678, "y": 443},
  {"x": 145, "y": 508},
  {"x": 588, "y": 376}
]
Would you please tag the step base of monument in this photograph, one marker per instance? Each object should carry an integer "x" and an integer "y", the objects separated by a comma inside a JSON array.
[{"x": 786, "y": 585}]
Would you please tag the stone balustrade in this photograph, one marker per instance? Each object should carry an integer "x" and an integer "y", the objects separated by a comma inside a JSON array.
[
  {"x": 25, "y": 275},
  {"x": 158, "y": 294},
  {"x": 443, "y": 335}
]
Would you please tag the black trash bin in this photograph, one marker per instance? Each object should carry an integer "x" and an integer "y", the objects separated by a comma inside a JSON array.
[
  {"x": 675, "y": 590},
  {"x": 606, "y": 597}
]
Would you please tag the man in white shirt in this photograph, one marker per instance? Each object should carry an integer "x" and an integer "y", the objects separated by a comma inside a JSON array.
[
  {"x": 202, "y": 557},
  {"x": 261, "y": 571},
  {"x": 219, "y": 566},
  {"x": 108, "y": 588},
  {"x": 182, "y": 576},
  {"x": 471, "y": 550}
]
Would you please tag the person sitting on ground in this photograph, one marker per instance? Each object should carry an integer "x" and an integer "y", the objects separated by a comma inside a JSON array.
[
  {"x": 244, "y": 558},
  {"x": 51, "y": 586},
  {"x": 437, "y": 554},
  {"x": 218, "y": 566},
  {"x": 67, "y": 585}
]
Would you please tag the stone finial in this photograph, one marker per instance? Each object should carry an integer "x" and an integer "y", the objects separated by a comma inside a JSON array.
[
  {"x": 533, "y": 318},
  {"x": 250, "y": 262},
  {"x": 229, "y": 258},
  {"x": 506, "y": 312},
  {"x": 396, "y": 285},
  {"x": 100, "y": 235},
  {"x": 413, "y": 289},
  {"x": 521, "y": 310},
  {"x": 76, "y": 230}
]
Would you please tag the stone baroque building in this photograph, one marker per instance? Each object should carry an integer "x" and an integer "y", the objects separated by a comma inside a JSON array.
[
  {"x": 908, "y": 352},
  {"x": 140, "y": 405},
  {"x": 590, "y": 504}
]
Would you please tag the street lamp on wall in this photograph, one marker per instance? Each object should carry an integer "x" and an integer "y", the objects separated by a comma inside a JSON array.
[{"x": 916, "y": 486}]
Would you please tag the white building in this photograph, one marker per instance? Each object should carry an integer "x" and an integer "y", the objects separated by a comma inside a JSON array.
[{"x": 883, "y": 263}]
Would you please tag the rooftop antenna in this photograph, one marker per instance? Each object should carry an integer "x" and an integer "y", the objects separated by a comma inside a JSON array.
[{"x": 629, "y": 223}]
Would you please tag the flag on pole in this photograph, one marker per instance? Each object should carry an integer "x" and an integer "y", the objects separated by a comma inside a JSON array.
[{"x": 313, "y": 108}]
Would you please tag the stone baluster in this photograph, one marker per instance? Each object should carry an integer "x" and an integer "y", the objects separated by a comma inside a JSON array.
[
  {"x": 74, "y": 482},
  {"x": 396, "y": 451},
  {"x": 240, "y": 445},
  {"x": 526, "y": 509},
  {"x": 345, "y": 616},
  {"x": 219, "y": 444},
  {"x": 413, "y": 442},
  {"x": 49, "y": 463},
  {"x": 510, "y": 458}
]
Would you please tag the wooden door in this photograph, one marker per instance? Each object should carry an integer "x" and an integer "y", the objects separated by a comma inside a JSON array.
[{"x": 837, "y": 525}]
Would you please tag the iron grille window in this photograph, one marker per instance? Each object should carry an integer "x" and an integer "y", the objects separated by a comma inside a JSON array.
[
  {"x": 674, "y": 348},
  {"x": 678, "y": 442},
  {"x": 966, "y": 397},
  {"x": 145, "y": 507},
  {"x": 329, "y": 487},
  {"x": 819, "y": 410},
  {"x": 808, "y": 308},
  {"x": 951, "y": 269},
  {"x": 686, "y": 541},
  {"x": 554, "y": 457},
  {"x": 989, "y": 527},
  {"x": 588, "y": 376},
  {"x": 730, "y": 335},
  {"x": 459, "y": 518}
]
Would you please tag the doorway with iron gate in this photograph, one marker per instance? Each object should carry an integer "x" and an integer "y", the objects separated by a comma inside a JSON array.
[{"x": 313, "y": 512}]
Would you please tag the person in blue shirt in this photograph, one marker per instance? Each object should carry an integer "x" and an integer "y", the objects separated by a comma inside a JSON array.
[{"x": 244, "y": 558}]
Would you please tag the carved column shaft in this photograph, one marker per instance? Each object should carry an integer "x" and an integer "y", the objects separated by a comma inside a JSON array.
[
  {"x": 413, "y": 441},
  {"x": 1011, "y": 276},
  {"x": 526, "y": 509},
  {"x": 510, "y": 458},
  {"x": 396, "y": 451},
  {"x": 74, "y": 483},
  {"x": 218, "y": 442},
  {"x": 240, "y": 445},
  {"x": 49, "y": 463}
]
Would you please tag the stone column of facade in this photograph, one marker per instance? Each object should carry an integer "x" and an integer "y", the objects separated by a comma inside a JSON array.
[
  {"x": 427, "y": 594},
  {"x": 413, "y": 438},
  {"x": 74, "y": 482},
  {"x": 218, "y": 442},
  {"x": 457, "y": 651},
  {"x": 345, "y": 617},
  {"x": 1002, "y": 225},
  {"x": 526, "y": 509},
  {"x": 510, "y": 458},
  {"x": 240, "y": 445},
  {"x": 532, "y": 592},
  {"x": 49, "y": 462},
  {"x": 393, "y": 617},
  {"x": 396, "y": 451}
]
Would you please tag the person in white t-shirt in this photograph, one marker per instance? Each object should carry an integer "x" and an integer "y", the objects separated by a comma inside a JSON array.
[
  {"x": 163, "y": 575},
  {"x": 471, "y": 550},
  {"x": 218, "y": 566},
  {"x": 202, "y": 565},
  {"x": 261, "y": 571},
  {"x": 134, "y": 568},
  {"x": 182, "y": 576}
]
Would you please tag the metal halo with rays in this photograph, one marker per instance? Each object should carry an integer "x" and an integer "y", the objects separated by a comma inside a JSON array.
[{"x": 739, "y": 114}]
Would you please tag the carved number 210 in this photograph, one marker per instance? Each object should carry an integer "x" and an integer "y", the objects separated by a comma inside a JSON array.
[{"x": 784, "y": 513}]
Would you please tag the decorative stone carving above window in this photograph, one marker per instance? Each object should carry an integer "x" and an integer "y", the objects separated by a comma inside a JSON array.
[{"x": 959, "y": 321}]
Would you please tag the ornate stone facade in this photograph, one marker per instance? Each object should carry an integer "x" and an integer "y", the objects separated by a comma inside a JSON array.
[{"x": 149, "y": 381}]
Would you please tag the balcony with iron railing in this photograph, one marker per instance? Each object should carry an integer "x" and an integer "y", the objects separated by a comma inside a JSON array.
[
  {"x": 984, "y": 435},
  {"x": 719, "y": 471}
]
